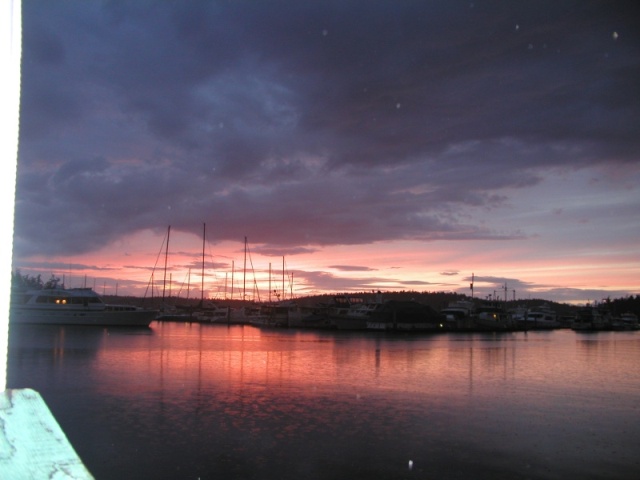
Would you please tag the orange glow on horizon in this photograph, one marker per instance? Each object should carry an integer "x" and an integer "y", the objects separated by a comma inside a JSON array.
[{"x": 132, "y": 264}]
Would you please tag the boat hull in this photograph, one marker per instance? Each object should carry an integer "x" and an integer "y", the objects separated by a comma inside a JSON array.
[
  {"x": 120, "y": 318},
  {"x": 344, "y": 323}
]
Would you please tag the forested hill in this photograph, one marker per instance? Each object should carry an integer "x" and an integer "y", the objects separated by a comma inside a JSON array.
[{"x": 439, "y": 300}]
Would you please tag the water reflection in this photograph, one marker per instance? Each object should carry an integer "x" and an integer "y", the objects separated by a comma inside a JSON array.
[{"x": 189, "y": 401}]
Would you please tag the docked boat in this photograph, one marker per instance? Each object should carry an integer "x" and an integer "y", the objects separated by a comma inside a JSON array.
[
  {"x": 493, "y": 317},
  {"x": 246, "y": 315},
  {"x": 273, "y": 315},
  {"x": 311, "y": 316},
  {"x": 209, "y": 312},
  {"x": 352, "y": 313},
  {"x": 175, "y": 313},
  {"x": 541, "y": 317},
  {"x": 458, "y": 315},
  {"x": 626, "y": 321},
  {"x": 405, "y": 316},
  {"x": 74, "y": 306},
  {"x": 591, "y": 318}
]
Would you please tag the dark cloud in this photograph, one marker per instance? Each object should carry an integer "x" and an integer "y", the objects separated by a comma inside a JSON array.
[
  {"x": 302, "y": 124},
  {"x": 318, "y": 281},
  {"x": 351, "y": 268},
  {"x": 56, "y": 267}
]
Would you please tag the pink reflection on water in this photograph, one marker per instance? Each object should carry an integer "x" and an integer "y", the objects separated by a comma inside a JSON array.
[
  {"x": 197, "y": 357},
  {"x": 534, "y": 403}
]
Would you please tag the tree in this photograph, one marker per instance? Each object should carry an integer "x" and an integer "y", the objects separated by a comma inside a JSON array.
[
  {"x": 53, "y": 282},
  {"x": 25, "y": 281}
]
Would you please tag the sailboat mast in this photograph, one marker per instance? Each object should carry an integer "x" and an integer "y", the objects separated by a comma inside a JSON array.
[
  {"x": 244, "y": 279},
  {"x": 472, "y": 279},
  {"x": 233, "y": 268},
  {"x": 166, "y": 256},
  {"x": 284, "y": 292},
  {"x": 204, "y": 236},
  {"x": 269, "y": 282}
]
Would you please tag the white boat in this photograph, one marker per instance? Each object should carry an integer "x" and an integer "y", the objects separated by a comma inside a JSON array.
[
  {"x": 74, "y": 306},
  {"x": 246, "y": 315},
  {"x": 538, "y": 318},
  {"x": 542, "y": 320}
]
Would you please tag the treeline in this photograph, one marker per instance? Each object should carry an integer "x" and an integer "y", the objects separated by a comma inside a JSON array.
[
  {"x": 619, "y": 306},
  {"x": 33, "y": 282},
  {"x": 435, "y": 300},
  {"x": 439, "y": 300}
]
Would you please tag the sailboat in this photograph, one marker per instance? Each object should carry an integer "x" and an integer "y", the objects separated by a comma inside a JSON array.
[
  {"x": 170, "y": 312},
  {"x": 209, "y": 311},
  {"x": 248, "y": 313}
]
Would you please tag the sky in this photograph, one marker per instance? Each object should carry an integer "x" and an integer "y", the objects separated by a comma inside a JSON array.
[{"x": 356, "y": 145}]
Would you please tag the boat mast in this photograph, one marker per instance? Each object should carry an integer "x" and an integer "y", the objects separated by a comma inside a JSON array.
[
  {"x": 506, "y": 293},
  {"x": 244, "y": 278},
  {"x": 284, "y": 292},
  {"x": 472, "y": 278},
  {"x": 166, "y": 255},
  {"x": 204, "y": 236}
]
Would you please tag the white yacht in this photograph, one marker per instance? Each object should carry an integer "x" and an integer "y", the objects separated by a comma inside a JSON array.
[{"x": 74, "y": 306}]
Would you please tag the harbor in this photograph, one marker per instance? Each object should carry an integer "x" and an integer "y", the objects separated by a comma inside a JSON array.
[
  {"x": 52, "y": 303},
  {"x": 404, "y": 314},
  {"x": 196, "y": 400}
]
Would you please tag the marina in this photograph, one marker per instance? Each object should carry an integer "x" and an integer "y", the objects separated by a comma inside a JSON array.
[
  {"x": 196, "y": 400},
  {"x": 353, "y": 313},
  {"x": 54, "y": 304}
]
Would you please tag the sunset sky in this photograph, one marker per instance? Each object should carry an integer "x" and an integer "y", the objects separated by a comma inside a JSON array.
[{"x": 378, "y": 145}]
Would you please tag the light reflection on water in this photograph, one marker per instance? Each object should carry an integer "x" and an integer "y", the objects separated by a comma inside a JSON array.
[{"x": 206, "y": 401}]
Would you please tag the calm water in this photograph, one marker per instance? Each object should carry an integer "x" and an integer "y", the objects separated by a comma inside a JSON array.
[{"x": 189, "y": 401}]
